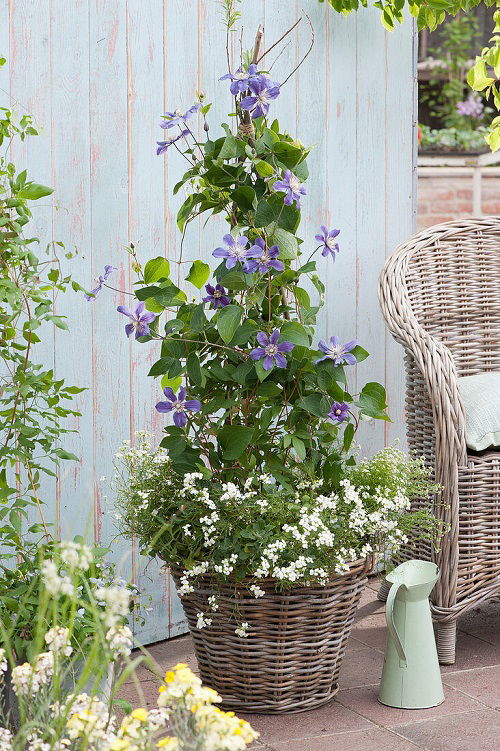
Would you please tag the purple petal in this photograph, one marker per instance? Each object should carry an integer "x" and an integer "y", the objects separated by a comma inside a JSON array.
[
  {"x": 258, "y": 353},
  {"x": 125, "y": 311},
  {"x": 280, "y": 360},
  {"x": 182, "y": 394},
  {"x": 268, "y": 363},
  {"x": 349, "y": 359},
  {"x": 164, "y": 407},
  {"x": 169, "y": 393},
  {"x": 248, "y": 102},
  {"x": 220, "y": 253},
  {"x": 231, "y": 262},
  {"x": 210, "y": 289},
  {"x": 289, "y": 199},
  {"x": 278, "y": 265},
  {"x": 180, "y": 419},
  {"x": 320, "y": 359},
  {"x": 285, "y": 347},
  {"x": 129, "y": 328},
  {"x": 93, "y": 294},
  {"x": 193, "y": 405},
  {"x": 275, "y": 337},
  {"x": 334, "y": 341},
  {"x": 139, "y": 309},
  {"x": 350, "y": 345},
  {"x": 319, "y": 238},
  {"x": 263, "y": 339},
  {"x": 242, "y": 241},
  {"x": 229, "y": 240},
  {"x": 323, "y": 347},
  {"x": 250, "y": 266},
  {"x": 223, "y": 301},
  {"x": 148, "y": 317}
]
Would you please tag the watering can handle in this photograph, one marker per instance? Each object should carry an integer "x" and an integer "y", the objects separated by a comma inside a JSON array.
[{"x": 389, "y": 611}]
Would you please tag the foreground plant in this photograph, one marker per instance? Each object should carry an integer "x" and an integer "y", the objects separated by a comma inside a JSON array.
[{"x": 55, "y": 701}]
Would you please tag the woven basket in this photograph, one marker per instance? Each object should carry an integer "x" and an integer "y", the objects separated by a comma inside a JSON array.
[{"x": 290, "y": 660}]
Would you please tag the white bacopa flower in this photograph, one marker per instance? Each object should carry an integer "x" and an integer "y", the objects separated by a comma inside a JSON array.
[
  {"x": 5, "y": 740},
  {"x": 76, "y": 555},
  {"x": 202, "y": 621},
  {"x": 3, "y": 661},
  {"x": 242, "y": 630},
  {"x": 256, "y": 591},
  {"x": 116, "y": 601}
]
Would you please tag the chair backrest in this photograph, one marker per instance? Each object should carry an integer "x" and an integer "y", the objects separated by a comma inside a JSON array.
[{"x": 452, "y": 277}]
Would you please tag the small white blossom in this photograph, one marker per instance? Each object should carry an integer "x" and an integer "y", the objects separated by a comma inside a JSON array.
[{"x": 242, "y": 630}]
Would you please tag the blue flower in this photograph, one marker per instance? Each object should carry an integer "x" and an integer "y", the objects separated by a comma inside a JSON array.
[
  {"x": 263, "y": 92},
  {"x": 327, "y": 239},
  {"x": 271, "y": 350},
  {"x": 338, "y": 412},
  {"x": 176, "y": 118},
  {"x": 339, "y": 353},
  {"x": 179, "y": 405},
  {"x": 163, "y": 145},
  {"x": 101, "y": 279},
  {"x": 140, "y": 320},
  {"x": 234, "y": 252},
  {"x": 266, "y": 258},
  {"x": 217, "y": 296},
  {"x": 293, "y": 188},
  {"x": 240, "y": 79}
]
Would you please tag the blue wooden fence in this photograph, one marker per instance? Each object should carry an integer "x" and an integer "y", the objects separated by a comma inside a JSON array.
[{"x": 96, "y": 75}]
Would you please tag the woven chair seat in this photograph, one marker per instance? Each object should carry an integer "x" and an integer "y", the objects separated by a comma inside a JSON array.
[{"x": 440, "y": 295}]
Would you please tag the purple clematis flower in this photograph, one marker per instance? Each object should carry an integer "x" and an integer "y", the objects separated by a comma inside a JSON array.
[
  {"x": 217, "y": 296},
  {"x": 328, "y": 241},
  {"x": 100, "y": 279},
  {"x": 170, "y": 139},
  {"x": 240, "y": 79},
  {"x": 271, "y": 350},
  {"x": 177, "y": 117},
  {"x": 179, "y": 405},
  {"x": 140, "y": 320},
  {"x": 263, "y": 258},
  {"x": 293, "y": 188},
  {"x": 263, "y": 92},
  {"x": 339, "y": 353},
  {"x": 338, "y": 412},
  {"x": 234, "y": 252}
]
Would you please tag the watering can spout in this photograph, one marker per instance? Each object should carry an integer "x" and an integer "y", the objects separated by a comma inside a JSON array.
[{"x": 411, "y": 678}]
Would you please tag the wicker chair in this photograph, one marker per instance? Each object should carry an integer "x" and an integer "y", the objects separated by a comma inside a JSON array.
[{"x": 440, "y": 295}]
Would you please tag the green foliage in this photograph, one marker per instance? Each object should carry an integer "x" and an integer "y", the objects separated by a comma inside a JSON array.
[
  {"x": 452, "y": 139},
  {"x": 33, "y": 402}
]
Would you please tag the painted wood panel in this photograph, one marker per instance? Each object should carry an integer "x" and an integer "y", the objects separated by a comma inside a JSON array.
[{"x": 97, "y": 75}]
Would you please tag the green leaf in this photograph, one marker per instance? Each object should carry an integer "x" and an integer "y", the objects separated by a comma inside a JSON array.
[
  {"x": 194, "y": 369},
  {"x": 156, "y": 269},
  {"x": 235, "y": 280},
  {"x": 245, "y": 332},
  {"x": 34, "y": 191},
  {"x": 173, "y": 383},
  {"x": 373, "y": 401},
  {"x": 244, "y": 197},
  {"x": 315, "y": 404},
  {"x": 264, "y": 214},
  {"x": 234, "y": 439},
  {"x": 228, "y": 320},
  {"x": 198, "y": 274},
  {"x": 161, "y": 366},
  {"x": 166, "y": 295},
  {"x": 302, "y": 297},
  {"x": 187, "y": 207},
  {"x": 229, "y": 148},
  {"x": 359, "y": 353},
  {"x": 294, "y": 332},
  {"x": 299, "y": 447},
  {"x": 348, "y": 436},
  {"x": 286, "y": 242},
  {"x": 288, "y": 154},
  {"x": 63, "y": 454},
  {"x": 264, "y": 169}
]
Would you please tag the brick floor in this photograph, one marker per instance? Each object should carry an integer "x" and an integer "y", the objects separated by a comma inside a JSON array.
[{"x": 468, "y": 720}]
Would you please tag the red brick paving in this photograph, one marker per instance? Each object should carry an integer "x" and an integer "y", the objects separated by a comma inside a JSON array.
[{"x": 468, "y": 720}]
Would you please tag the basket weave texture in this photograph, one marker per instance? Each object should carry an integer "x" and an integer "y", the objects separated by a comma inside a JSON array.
[
  {"x": 440, "y": 296},
  {"x": 290, "y": 660}
]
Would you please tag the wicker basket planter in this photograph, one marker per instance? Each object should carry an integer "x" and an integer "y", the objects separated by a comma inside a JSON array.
[{"x": 290, "y": 660}]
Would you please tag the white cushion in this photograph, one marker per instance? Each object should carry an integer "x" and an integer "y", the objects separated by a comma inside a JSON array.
[{"x": 481, "y": 399}]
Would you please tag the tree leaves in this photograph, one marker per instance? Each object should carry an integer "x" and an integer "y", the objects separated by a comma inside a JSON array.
[
  {"x": 228, "y": 320},
  {"x": 34, "y": 191},
  {"x": 156, "y": 269},
  {"x": 234, "y": 439},
  {"x": 198, "y": 274}
]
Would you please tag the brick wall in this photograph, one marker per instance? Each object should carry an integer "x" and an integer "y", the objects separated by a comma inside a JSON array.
[{"x": 440, "y": 199}]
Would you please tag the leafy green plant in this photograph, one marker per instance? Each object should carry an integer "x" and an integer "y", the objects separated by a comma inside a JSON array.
[
  {"x": 33, "y": 401},
  {"x": 452, "y": 139},
  {"x": 257, "y": 392}
]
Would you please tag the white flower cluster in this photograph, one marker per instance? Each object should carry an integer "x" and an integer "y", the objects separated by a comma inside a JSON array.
[
  {"x": 3, "y": 662},
  {"x": 76, "y": 555},
  {"x": 242, "y": 630},
  {"x": 5, "y": 740},
  {"x": 202, "y": 621},
  {"x": 29, "y": 679},
  {"x": 58, "y": 641},
  {"x": 116, "y": 601},
  {"x": 120, "y": 640},
  {"x": 55, "y": 583}
]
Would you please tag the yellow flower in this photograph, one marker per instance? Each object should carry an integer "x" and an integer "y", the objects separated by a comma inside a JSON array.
[
  {"x": 169, "y": 743},
  {"x": 180, "y": 666},
  {"x": 140, "y": 714},
  {"x": 169, "y": 676}
]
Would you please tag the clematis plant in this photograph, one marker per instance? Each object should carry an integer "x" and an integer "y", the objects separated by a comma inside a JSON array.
[{"x": 250, "y": 387}]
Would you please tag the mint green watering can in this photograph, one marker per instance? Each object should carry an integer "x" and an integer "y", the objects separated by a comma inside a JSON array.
[{"x": 411, "y": 678}]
